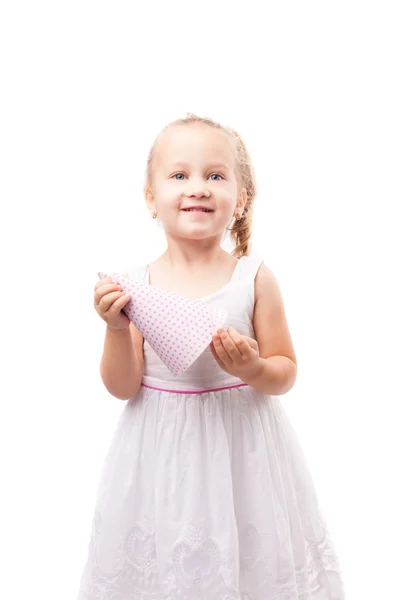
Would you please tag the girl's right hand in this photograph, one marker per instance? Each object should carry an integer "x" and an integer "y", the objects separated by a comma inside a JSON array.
[{"x": 109, "y": 299}]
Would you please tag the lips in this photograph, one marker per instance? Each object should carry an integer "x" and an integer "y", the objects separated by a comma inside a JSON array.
[{"x": 198, "y": 209}]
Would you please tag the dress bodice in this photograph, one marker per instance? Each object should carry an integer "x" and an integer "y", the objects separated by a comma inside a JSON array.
[{"x": 237, "y": 297}]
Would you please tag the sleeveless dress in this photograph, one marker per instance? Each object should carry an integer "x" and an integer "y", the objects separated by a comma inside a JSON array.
[{"x": 205, "y": 493}]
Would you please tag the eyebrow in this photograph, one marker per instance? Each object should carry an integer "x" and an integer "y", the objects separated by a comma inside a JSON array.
[{"x": 184, "y": 164}]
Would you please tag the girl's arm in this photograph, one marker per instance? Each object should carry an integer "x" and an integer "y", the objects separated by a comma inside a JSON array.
[
  {"x": 121, "y": 366},
  {"x": 278, "y": 364}
]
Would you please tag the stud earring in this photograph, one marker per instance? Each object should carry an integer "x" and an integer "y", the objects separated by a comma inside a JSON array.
[{"x": 154, "y": 215}]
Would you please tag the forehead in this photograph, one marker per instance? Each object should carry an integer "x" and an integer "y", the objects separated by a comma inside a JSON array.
[{"x": 195, "y": 143}]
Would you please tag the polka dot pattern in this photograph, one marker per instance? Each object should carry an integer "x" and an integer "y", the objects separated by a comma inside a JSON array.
[{"x": 178, "y": 329}]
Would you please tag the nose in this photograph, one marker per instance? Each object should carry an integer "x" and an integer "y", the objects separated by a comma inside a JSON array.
[
  {"x": 199, "y": 193},
  {"x": 197, "y": 189}
]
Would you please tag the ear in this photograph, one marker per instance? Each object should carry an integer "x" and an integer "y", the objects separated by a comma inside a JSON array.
[{"x": 148, "y": 194}]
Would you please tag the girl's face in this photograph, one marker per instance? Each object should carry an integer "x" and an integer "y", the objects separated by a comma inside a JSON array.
[{"x": 195, "y": 165}]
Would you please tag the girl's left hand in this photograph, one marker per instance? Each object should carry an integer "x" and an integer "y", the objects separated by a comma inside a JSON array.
[{"x": 236, "y": 354}]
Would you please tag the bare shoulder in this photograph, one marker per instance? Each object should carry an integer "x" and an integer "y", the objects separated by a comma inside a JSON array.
[
  {"x": 269, "y": 320},
  {"x": 266, "y": 287},
  {"x": 264, "y": 277}
]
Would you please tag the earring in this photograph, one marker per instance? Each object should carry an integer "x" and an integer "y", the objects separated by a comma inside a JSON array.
[
  {"x": 154, "y": 215},
  {"x": 238, "y": 215}
]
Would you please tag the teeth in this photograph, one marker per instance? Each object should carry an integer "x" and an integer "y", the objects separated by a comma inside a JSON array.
[{"x": 197, "y": 209}]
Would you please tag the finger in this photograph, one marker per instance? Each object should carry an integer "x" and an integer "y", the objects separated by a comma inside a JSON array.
[
  {"x": 106, "y": 289},
  {"x": 252, "y": 342},
  {"x": 116, "y": 307},
  {"x": 108, "y": 299},
  {"x": 242, "y": 343},
  {"x": 220, "y": 349},
  {"x": 105, "y": 281},
  {"x": 215, "y": 355},
  {"x": 229, "y": 345}
]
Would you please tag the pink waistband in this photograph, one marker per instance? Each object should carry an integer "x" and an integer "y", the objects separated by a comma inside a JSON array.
[{"x": 228, "y": 387}]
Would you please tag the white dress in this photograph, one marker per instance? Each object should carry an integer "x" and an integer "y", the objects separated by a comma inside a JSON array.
[{"x": 205, "y": 493}]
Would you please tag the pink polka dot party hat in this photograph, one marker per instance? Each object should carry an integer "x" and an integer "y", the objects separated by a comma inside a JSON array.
[{"x": 178, "y": 329}]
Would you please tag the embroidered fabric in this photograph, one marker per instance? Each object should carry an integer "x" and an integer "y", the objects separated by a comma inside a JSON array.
[{"x": 197, "y": 564}]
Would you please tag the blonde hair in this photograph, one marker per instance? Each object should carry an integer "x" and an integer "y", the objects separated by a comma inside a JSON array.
[{"x": 240, "y": 232}]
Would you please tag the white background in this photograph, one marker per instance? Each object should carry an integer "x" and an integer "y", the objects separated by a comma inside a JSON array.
[{"x": 313, "y": 88}]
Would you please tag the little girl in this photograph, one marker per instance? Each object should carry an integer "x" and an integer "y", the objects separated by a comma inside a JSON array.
[{"x": 205, "y": 493}]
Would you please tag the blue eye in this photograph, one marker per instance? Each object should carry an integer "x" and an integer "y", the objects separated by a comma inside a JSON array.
[{"x": 175, "y": 176}]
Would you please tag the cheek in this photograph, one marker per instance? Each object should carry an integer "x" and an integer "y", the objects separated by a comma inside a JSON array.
[
  {"x": 227, "y": 192},
  {"x": 167, "y": 195},
  {"x": 226, "y": 200}
]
